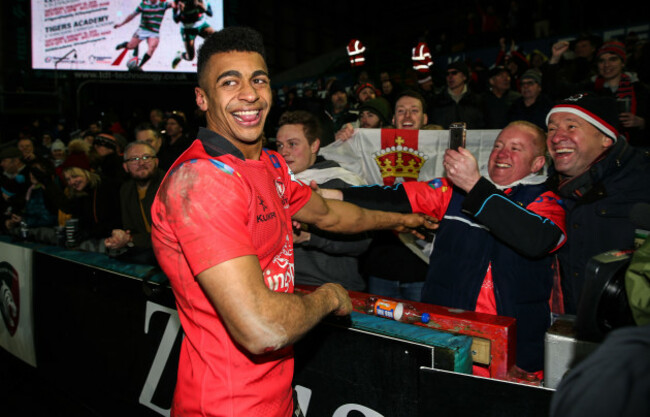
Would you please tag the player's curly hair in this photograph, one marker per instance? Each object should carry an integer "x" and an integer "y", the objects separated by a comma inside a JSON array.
[{"x": 235, "y": 38}]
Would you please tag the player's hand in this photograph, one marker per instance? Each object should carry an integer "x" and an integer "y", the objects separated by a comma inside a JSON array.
[
  {"x": 418, "y": 224},
  {"x": 411, "y": 221},
  {"x": 342, "y": 297},
  {"x": 430, "y": 223},
  {"x": 462, "y": 168}
]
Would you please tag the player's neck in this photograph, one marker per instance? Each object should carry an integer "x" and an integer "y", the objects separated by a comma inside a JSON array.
[{"x": 250, "y": 150}]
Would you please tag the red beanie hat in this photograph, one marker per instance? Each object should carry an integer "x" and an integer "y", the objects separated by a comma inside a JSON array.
[{"x": 613, "y": 47}]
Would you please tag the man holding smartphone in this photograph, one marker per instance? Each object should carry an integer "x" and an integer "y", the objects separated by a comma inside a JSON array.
[{"x": 493, "y": 249}]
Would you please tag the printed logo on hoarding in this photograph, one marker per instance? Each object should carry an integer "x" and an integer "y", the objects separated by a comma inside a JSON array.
[
  {"x": 99, "y": 59},
  {"x": 63, "y": 60},
  {"x": 9, "y": 297}
]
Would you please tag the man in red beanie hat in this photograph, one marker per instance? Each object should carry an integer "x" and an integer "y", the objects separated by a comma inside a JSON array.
[
  {"x": 365, "y": 92},
  {"x": 600, "y": 177}
]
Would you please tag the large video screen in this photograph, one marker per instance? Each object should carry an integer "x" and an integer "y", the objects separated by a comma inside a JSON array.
[{"x": 121, "y": 35}]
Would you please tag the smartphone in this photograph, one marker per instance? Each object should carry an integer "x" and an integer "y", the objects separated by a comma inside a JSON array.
[
  {"x": 457, "y": 134},
  {"x": 623, "y": 105}
]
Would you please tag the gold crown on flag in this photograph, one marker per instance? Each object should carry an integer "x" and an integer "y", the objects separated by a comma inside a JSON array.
[{"x": 398, "y": 161}]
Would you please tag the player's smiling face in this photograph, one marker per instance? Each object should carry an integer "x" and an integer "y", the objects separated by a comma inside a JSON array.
[{"x": 237, "y": 96}]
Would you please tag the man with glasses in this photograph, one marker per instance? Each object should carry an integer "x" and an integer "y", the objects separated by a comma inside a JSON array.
[
  {"x": 136, "y": 198},
  {"x": 457, "y": 103}
]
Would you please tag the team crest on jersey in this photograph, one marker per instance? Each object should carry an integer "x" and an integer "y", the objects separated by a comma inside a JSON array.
[
  {"x": 438, "y": 183},
  {"x": 281, "y": 188}
]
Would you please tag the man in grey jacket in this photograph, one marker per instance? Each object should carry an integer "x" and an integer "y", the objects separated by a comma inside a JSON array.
[{"x": 319, "y": 256}]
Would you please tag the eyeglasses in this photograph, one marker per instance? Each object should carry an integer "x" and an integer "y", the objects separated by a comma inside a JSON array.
[
  {"x": 143, "y": 158},
  {"x": 452, "y": 72}
]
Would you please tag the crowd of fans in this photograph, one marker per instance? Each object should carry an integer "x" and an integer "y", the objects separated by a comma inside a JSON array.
[
  {"x": 93, "y": 189},
  {"x": 52, "y": 174},
  {"x": 520, "y": 85},
  {"x": 102, "y": 178}
]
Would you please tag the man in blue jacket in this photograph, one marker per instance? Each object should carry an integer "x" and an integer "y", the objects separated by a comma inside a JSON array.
[{"x": 494, "y": 249}]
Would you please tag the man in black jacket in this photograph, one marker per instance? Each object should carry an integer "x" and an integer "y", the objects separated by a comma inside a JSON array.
[
  {"x": 457, "y": 102},
  {"x": 136, "y": 197},
  {"x": 599, "y": 177},
  {"x": 534, "y": 104}
]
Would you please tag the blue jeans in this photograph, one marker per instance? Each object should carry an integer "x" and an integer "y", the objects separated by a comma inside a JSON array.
[{"x": 395, "y": 289}]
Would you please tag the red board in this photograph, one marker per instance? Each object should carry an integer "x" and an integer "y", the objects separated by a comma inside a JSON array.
[{"x": 499, "y": 330}]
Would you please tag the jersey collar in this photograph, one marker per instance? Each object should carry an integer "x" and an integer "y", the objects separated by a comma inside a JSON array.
[{"x": 216, "y": 145}]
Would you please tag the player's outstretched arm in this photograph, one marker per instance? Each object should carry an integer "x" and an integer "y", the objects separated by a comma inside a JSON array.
[
  {"x": 262, "y": 320},
  {"x": 342, "y": 217}
]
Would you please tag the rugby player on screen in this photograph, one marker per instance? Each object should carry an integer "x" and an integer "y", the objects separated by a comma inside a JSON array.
[
  {"x": 191, "y": 14},
  {"x": 152, "y": 13}
]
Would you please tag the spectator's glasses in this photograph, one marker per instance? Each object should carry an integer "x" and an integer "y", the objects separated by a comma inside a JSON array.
[
  {"x": 143, "y": 158},
  {"x": 452, "y": 72}
]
